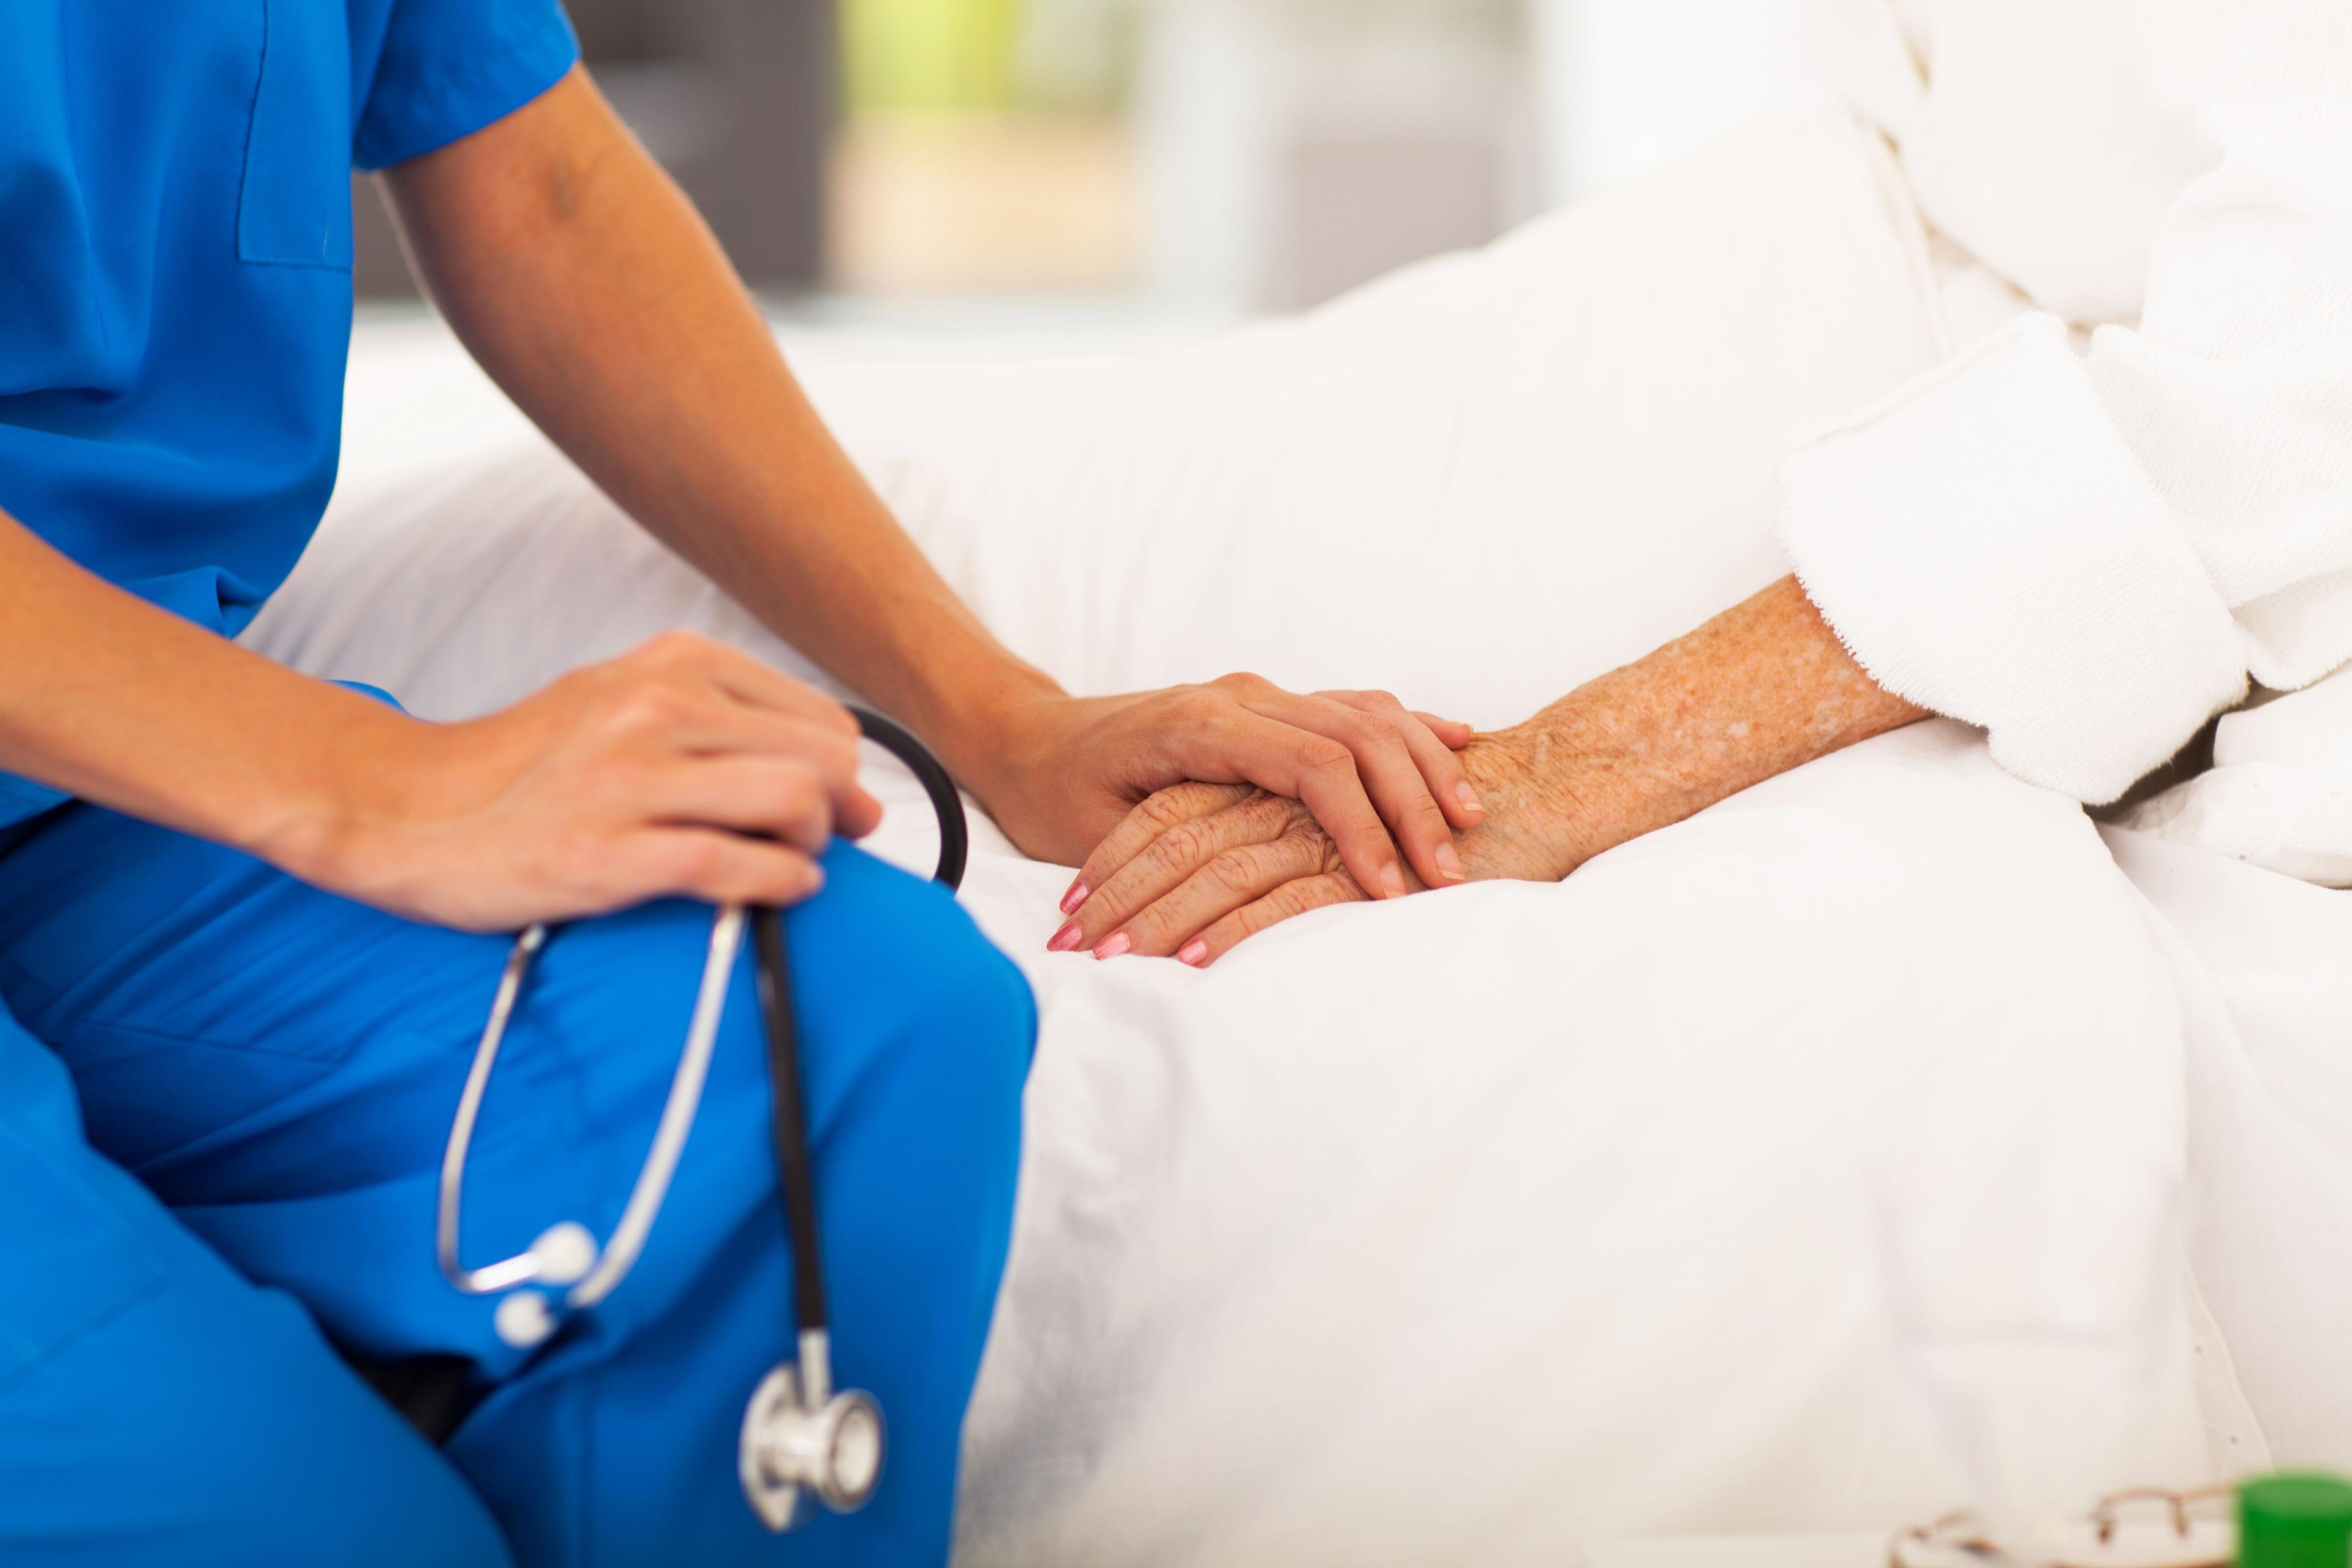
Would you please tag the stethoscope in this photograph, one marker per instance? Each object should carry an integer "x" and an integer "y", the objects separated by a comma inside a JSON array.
[{"x": 802, "y": 1440}]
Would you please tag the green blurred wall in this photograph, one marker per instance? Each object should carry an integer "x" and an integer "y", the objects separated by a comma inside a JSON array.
[{"x": 928, "y": 56}]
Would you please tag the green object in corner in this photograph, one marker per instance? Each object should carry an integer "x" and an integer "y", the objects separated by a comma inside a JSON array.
[{"x": 2296, "y": 1521}]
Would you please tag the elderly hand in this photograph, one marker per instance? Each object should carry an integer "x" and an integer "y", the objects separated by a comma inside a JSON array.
[
  {"x": 1064, "y": 772},
  {"x": 1198, "y": 867},
  {"x": 1763, "y": 688}
]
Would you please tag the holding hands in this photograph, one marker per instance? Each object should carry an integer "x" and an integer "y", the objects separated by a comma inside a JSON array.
[
  {"x": 1198, "y": 867},
  {"x": 1763, "y": 688},
  {"x": 1385, "y": 783},
  {"x": 687, "y": 767},
  {"x": 1205, "y": 813}
]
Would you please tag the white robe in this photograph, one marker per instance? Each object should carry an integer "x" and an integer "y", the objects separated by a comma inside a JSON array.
[{"x": 2085, "y": 529}]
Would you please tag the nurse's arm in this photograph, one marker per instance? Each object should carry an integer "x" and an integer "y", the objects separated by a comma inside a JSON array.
[
  {"x": 584, "y": 282},
  {"x": 683, "y": 768}
]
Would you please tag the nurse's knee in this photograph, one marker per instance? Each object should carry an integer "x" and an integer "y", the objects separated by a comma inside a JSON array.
[
  {"x": 939, "y": 1002},
  {"x": 970, "y": 1018}
]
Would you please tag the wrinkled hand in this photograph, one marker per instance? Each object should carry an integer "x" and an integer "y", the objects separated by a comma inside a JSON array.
[
  {"x": 1365, "y": 767},
  {"x": 1765, "y": 687},
  {"x": 682, "y": 768},
  {"x": 1199, "y": 868}
]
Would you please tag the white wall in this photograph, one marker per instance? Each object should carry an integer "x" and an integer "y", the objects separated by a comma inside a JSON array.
[
  {"x": 1208, "y": 116},
  {"x": 1625, "y": 85},
  {"x": 1292, "y": 148}
]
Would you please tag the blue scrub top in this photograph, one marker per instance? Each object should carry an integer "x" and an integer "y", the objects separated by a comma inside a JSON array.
[{"x": 176, "y": 257}]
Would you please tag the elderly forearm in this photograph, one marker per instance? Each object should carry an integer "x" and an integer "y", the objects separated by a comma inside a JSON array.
[
  {"x": 1763, "y": 688},
  {"x": 582, "y": 280}
]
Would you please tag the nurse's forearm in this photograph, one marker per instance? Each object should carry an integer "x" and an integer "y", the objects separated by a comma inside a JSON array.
[
  {"x": 681, "y": 768},
  {"x": 586, "y": 284},
  {"x": 104, "y": 696}
]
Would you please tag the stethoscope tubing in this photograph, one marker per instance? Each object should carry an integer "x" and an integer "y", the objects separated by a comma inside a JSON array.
[
  {"x": 795, "y": 1167},
  {"x": 947, "y": 803},
  {"x": 610, "y": 1264},
  {"x": 795, "y": 1170},
  {"x": 606, "y": 1266}
]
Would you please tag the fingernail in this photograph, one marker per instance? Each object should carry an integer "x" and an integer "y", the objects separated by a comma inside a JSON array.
[
  {"x": 1194, "y": 951},
  {"x": 1391, "y": 882},
  {"x": 1074, "y": 897},
  {"x": 1113, "y": 945},
  {"x": 1064, "y": 939},
  {"x": 1449, "y": 863},
  {"x": 1469, "y": 798}
]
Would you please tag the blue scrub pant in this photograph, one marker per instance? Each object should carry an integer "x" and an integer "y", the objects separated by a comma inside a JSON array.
[{"x": 279, "y": 1065}]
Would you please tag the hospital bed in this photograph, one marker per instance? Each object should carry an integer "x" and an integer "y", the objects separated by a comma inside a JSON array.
[{"x": 1507, "y": 1221}]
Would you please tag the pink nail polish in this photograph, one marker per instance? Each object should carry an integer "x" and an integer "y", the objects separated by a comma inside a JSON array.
[
  {"x": 1074, "y": 897},
  {"x": 1064, "y": 939},
  {"x": 1194, "y": 951},
  {"x": 1113, "y": 945}
]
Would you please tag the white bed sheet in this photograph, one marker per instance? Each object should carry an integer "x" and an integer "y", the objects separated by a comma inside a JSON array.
[
  {"x": 2263, "y": 964},
  {"x": 1493, "y": 1223}
]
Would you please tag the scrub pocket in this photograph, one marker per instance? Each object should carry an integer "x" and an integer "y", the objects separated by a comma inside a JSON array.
[
  {"x": 67, "y": 1262},
  {"x": 295, "y": 207}
]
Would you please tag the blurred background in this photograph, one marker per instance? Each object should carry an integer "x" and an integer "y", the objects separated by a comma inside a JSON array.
[{"x": 942, "y": 162}]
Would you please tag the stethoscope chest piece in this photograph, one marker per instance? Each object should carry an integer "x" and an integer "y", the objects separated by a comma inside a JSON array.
[{"x": 803, "y": 1447}]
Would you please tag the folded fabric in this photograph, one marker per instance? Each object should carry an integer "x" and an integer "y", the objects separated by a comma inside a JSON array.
[
  {"x": 2279, "y": 794},
  {"x": 2087, "y": 552}
]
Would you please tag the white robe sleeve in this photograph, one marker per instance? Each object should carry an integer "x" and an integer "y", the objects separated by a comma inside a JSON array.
[{"x": 2086, "y": 554}]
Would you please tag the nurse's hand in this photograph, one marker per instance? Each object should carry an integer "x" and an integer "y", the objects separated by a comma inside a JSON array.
[
  {"x": 1198, "y": 869},
  {"x": 1058, "y": 773},
  {"x": 682, "y": 768}
]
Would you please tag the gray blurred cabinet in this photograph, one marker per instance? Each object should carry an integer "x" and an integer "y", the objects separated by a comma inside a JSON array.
[{"x": 737, "y": 98}]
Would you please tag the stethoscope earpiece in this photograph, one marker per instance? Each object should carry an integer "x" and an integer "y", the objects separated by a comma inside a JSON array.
[
  {"x": 524, "y": 1319},
  {"x": 564, "y": 1254}
]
